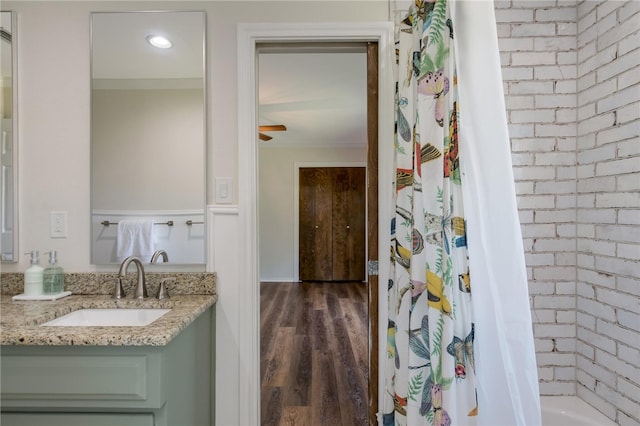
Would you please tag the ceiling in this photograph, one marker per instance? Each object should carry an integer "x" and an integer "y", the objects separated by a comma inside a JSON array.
[{"x": 319, "y": 95}]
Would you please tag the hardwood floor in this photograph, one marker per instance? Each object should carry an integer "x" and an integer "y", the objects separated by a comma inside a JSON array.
[{"x": 313, "y": 353}]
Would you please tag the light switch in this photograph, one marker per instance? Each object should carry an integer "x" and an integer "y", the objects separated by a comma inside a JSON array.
[{"x": 224, "y": 190}]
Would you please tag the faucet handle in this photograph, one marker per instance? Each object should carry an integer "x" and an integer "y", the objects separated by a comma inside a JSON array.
[
  {"x": 163, "y": 293},
  {"x": 118, "y": 291}
]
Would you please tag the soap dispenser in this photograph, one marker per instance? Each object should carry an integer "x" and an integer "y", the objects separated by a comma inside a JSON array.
[
  {"x": 33, "y": 276},
  {"x": 53, "y": 275}
]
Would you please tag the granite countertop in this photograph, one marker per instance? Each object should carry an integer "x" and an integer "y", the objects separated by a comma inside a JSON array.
[{"x": 20, "y": 320}]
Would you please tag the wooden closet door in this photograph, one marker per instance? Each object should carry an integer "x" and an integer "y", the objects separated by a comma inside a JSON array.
[
  {"x": 332, "y": 224},
  {"x": 316, "y": 187},
  {"x": 348, "y": 224}
]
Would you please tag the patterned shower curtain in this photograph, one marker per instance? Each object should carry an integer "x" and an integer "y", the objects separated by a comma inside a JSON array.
[{"x": 431, "y": 371}]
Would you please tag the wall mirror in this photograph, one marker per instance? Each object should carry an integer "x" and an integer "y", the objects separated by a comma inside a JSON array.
[
  {"x": 9, "y": 139},
  {"x": 148, "y": 135}
]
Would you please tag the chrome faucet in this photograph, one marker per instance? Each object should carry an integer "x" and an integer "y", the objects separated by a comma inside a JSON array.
[
  {"x": 157, "y": 254},
  {"x": 141, "y": 287}
]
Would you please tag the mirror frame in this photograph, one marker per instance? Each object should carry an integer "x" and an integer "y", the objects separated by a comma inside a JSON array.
[
  {"x": 170, "y": 266},
  {"x": 14, "y": 138}
]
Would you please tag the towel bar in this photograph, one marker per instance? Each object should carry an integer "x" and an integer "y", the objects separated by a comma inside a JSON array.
[
  {"x": 107, "y": 223},
  {"x": 190, "y": 222}
]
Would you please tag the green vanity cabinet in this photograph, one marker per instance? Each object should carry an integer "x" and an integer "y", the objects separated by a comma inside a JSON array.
[
  {"x": 77, "y": 419},
  {"x": 167, "y": 385}
]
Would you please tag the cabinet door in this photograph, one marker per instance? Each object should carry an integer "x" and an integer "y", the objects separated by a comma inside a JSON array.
[
  {"x": 65, "y": 377},
  {"x": 76, "y": 419}
]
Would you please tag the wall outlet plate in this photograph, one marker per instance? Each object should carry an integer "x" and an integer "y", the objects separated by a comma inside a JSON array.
[{"x": 58, "y": 224}]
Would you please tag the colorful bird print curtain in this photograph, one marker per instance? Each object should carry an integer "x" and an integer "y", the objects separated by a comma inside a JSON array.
[{"x": 430, "y": 377}]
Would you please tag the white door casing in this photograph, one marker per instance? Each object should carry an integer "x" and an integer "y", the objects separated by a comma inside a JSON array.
[{"x": 239, "y": 403}]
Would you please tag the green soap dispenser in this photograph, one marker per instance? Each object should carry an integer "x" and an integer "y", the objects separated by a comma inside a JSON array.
[{"x": 53, "y": 275}]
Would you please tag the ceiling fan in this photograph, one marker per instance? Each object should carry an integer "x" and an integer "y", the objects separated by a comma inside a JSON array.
[{"x": 270, "y": 128}]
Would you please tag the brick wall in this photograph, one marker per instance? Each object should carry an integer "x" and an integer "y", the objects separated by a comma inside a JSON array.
[
  {"x": 538, "y": 47},
  {"x": 608, "y": 208},
  {"x": 573, "y": 69}
]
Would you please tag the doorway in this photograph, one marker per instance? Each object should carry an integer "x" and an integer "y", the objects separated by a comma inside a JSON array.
[
  {"x": 249, "y": 35},
  {"x": 314, "y": 336}
]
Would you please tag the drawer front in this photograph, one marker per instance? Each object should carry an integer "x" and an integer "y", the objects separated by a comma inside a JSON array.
[
  {"x": 76, "y": 419},
  {"x": 88, "y": 378}
]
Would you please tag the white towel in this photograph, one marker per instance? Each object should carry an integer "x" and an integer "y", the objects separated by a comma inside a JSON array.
[{"x": 135, "y": 238}]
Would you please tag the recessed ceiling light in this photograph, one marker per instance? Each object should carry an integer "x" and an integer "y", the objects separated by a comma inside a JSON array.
[{"x": 159, "y": 41}]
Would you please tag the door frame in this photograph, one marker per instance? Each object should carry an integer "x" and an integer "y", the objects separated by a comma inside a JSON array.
[
  {"x": 248, "y": 36},
  {"x": 296, "y": 206}
]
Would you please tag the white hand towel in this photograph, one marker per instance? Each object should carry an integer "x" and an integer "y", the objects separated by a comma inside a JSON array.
[{"x": 135, "y": 238}]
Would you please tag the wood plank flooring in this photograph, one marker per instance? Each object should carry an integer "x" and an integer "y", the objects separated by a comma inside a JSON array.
[{"x": 313, "y": 353}]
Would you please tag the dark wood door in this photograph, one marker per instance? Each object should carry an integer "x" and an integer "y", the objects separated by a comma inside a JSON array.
[
  {"x": 348, "y": 239},
  {"x": 315, "y": 218},
  {"x": 372, "y": 216},
  {"x": 332, "y": 224}
]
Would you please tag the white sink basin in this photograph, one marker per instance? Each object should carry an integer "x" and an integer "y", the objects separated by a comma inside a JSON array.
[{"x": 123, "y": 317}]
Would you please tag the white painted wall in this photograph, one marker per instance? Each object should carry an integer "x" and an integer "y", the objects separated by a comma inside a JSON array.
[{"x": 277, "y": 197}]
